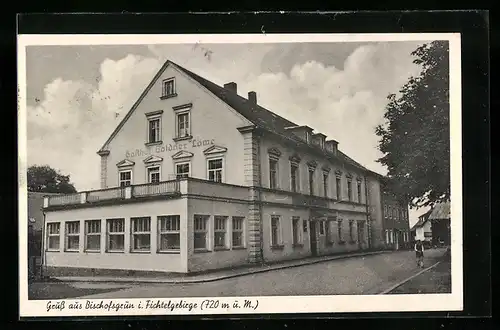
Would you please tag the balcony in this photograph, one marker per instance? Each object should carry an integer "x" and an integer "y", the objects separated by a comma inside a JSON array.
[{"x": 165, "y": 188}]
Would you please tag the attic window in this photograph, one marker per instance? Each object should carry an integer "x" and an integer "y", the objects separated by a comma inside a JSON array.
[{"x": 168, "y": 88}]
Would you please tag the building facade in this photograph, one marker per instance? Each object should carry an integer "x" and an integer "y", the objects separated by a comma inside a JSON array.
[
  {"x": 396, "y": 223},
  {"x": 196, "y": 177},
  {"x": 423, "y": 228}
]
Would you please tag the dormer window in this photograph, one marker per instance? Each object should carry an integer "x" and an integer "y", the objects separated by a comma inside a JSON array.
[
  {"x": 168, "y": 88},
  {"x": 183, "y": 122},
  {"x": 154, "y": 126}
]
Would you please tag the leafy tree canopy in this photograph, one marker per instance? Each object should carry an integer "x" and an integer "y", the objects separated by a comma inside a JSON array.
[
  {"x": 415, "y": 139},
  {"x": 46, "y": 179}
]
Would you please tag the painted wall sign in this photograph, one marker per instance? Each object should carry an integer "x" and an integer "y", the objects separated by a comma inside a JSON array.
[{"x": 195, "y": 143}]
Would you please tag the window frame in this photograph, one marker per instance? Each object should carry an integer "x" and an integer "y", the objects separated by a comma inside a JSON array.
[
  {"x": 279, "y": 234},
  {"x": 240, "y": 231},
  {"x": 134, "y": 233},
  {"x": 351, "y": 231},
  {"x": 88, "y": 233},
  {"x": 359, "y": 191},
  {"x": 311, "y": 172},
  {"x": 206, "y": 230},
  {"x": 338, "y": 186},
  {"x": 328, "y": 232},
  {"x": 297, "y": 230},
  {"x": 326, "y": 186},
  {"x": 275, "y": 160},
  {"x": 110, "y": 233},
  {"x": 51, "y": 234},
  {"x": 322, "y": 228},
  {"x": 349, "y": 190},
  {"x": 340, "y": 230},
  {"x": 158, "y": 133},
  {"x": 164, "y": 93},
  {"x": 67, "y": 235},
  {"x": 120, "y": 178},
  {"x": 149, "y": 170},
  {"x": 222, "y": 169},
  {"x": 296, "y": 187},
  {"x": 160, "y": 232},
  {"x": 182, "y": 163},
  {"x": 224, "y": 231}
]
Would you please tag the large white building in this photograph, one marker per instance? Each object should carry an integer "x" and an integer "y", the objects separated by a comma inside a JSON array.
[{"x": 196, "y": 177}]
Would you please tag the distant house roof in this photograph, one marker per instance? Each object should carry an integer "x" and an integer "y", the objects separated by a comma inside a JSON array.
[
  {"x": 35, "y": 204},
  {"x": 441, "y": 211},
  {"x": 421, "y": 220},
  {"x": 258, "y": 115}
]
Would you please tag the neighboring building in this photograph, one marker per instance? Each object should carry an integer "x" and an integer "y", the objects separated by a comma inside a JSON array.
[
  {"x": 396, "y": 223},
  {"x": 423, "y": 228},
  {"x": 440, "y": 219},
  {"x": 35, "y": 227},
  {"x": 196, "y": 177}
]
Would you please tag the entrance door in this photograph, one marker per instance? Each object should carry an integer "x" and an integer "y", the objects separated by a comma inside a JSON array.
[{"x": 313, "y": 237}]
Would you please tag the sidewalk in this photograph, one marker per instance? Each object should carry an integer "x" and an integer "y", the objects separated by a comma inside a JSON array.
[{"x": 214, "y": 276}]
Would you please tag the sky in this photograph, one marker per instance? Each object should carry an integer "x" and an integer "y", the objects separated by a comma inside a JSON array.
[{"x": 77, "y": 95}]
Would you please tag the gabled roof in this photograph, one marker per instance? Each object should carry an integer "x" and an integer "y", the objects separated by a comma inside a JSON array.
[
  {"x": 440, "y": 211},
  {"x": 421, "y": 220},
  {"x": 258, "y": 115}
]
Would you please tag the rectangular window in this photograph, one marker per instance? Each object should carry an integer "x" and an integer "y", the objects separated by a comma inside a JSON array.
[
  {"x": 169, "y": 87},
  {"x": 215, "y": 170},
  {"x": 311, "y": 181},
  {"x": 351, "y": 230},
  {"x": 141, "y": 234},
  {"x": 182, "y": 170},
  {"x": 154, "y": 129},
  {"x": 329, "y": 236},
  {"x": 294, "y": 177},
  {"x": 116, "y": 235},
  {"x": 325, "y": 184},
  {"x": 273, "y": 173},
  {"x": 154, "y": 174},
  {"x": 183, "y": 127},
  {"x": 359, "y": 192},
  {"x": 169, "y": 233},
  {"x": 385, "y": 211},
  {"x": 338, "y": 187},
  {"x": 304, "y": 225},
  {"x": 387, "y": 239},
  {"x": 200, "y": 232},
  {"x": 53, "y": 236},
  {"x": 296, "y": 231},
  {"x": 275, "y": 230},
  {"x": 93, "y": 235},
  {"x": 125, "y": 178},
  {"x": 321, "y": 227},
  {"x": 349, "y": 190},
  {"x": 339, "y": 230},
  {"x": 72, "y": 236},
  {"x": 220, "y": 231},
  {"x": 238, "y": 231}
]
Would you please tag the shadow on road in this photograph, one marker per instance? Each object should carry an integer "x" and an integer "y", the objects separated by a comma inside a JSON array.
[{"x": 56, "y": 290}]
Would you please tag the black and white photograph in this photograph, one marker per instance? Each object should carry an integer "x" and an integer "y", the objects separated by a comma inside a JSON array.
[{"x": 212, "y": 174}]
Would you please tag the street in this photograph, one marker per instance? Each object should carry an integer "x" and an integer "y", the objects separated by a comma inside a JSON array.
[{"x": 358, "y": 275}]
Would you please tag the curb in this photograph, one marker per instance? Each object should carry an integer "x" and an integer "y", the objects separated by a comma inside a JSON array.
[
  {"x": 211, "y": 279},
  {"x": 392, "y": 288}
]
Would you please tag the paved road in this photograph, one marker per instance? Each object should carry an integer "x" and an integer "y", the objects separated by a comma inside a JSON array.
[{"x": 361, "y": 275}]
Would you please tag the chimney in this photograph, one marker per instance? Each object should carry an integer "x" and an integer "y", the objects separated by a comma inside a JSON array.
[
  {"x": 252, "y": 97},
  {"x": 231, "y": 86}
]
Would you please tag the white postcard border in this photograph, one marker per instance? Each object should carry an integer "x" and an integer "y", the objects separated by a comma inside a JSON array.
[{"x": 269, "y": 304}]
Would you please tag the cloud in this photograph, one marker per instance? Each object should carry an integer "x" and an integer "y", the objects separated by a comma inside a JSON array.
[{"x": 345, "y": 102}]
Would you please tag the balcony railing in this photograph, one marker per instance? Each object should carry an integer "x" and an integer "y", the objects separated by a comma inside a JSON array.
[
  {"x": 155, "y": 189},
  {"x": 119, "y": 193},
  {"x": 105, "y": 194},
  {"x": 64, "y": 199}
]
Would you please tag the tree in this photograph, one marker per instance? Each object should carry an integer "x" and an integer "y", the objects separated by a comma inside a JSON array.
[
  {"x": 46, "y": 179},
  {"x": 415, "y": 137}
]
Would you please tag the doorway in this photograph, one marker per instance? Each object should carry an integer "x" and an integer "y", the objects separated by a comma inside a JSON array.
[{"x": 313, "y": 238}]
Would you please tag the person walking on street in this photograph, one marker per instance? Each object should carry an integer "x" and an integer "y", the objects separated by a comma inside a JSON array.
[{"x": 419, "y": 251}]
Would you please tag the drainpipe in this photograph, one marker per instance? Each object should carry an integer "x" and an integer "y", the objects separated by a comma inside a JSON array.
[
  {"x": 368, "y": 221},
  {"x": 43, "y": 249}
]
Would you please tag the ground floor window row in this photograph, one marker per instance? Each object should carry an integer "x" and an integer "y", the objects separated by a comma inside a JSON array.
[
  {"x": 332, "y": 230},
  {"x": 391, "y": 236},
  {"x": 209, "y": 233}
]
